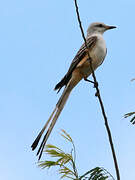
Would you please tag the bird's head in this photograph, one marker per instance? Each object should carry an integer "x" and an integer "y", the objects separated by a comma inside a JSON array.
[{"x": 98, "y": 27}]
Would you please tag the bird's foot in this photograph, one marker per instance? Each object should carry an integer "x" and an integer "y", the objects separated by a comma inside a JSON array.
[{"x": 95, "y": 83}]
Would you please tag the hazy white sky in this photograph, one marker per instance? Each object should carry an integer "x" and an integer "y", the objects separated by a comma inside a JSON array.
[{"x": 38, "y": 40}]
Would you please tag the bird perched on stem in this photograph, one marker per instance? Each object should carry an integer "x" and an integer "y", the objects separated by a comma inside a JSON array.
[{"x": 78, "y": 70}]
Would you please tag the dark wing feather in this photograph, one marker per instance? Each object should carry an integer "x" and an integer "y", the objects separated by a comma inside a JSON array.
[{"x": 80, "y": 54}]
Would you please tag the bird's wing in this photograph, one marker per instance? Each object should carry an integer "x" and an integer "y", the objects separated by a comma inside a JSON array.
[
  {"x": 91, "y": 41},
  {"x": 82, "y": 52}
]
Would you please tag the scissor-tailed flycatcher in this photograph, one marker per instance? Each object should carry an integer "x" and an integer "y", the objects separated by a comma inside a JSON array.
[{"x": 79, "y": 69}]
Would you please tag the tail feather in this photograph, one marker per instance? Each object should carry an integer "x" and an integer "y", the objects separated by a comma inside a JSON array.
[
  {"x": 40, "y": 151},
  {"x": 53, "y": 118},
  {"x": 64, "y": 81},
  {"x": 35, "y": 143},
  {"x": 60, "y": 84}
]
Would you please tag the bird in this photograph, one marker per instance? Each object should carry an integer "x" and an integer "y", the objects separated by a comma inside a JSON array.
[{"x": 79, "y": 69}]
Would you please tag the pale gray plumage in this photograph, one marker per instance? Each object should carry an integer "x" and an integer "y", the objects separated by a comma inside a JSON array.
[{"x": 97, "y": 51}]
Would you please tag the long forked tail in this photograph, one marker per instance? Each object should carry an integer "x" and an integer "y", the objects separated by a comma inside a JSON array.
[{"x": 53, "y": 118}]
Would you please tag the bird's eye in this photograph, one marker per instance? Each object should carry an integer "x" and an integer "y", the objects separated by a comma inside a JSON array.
[{"x": 100, "y": 25}]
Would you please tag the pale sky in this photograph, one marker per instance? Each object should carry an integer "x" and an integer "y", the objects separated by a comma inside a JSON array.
[{"x": 38, "y": 40}]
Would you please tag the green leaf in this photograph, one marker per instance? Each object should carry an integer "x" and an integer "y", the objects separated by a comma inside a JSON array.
[
  {"x": 64, "y": 160},
  {"x": 54, "y": 153},
  {"x": 66, "y": 172},
  {"x": 66, "y": 169},
  {"x": 133, "y": 120},
  {"x": 66, "y": 135},
  {"x": 47, "y": 164},
  {"x": 97, "y": 174},
  {"x": 133, "y": 79},
  {"x": 66, "y": 163},
  {"x": 66, "y": 176},
  {"x": 50, "y": 146},
  {"x": 129, "y": 114}
]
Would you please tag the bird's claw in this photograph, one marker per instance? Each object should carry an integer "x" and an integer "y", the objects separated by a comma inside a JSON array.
[{"x": 95, "y": 83}]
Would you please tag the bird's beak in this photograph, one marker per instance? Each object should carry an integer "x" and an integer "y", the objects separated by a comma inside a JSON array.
[{"x": 110, "y": 27}]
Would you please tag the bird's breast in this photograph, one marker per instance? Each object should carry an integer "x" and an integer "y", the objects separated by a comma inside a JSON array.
[{"x": 98, "y": 52}]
